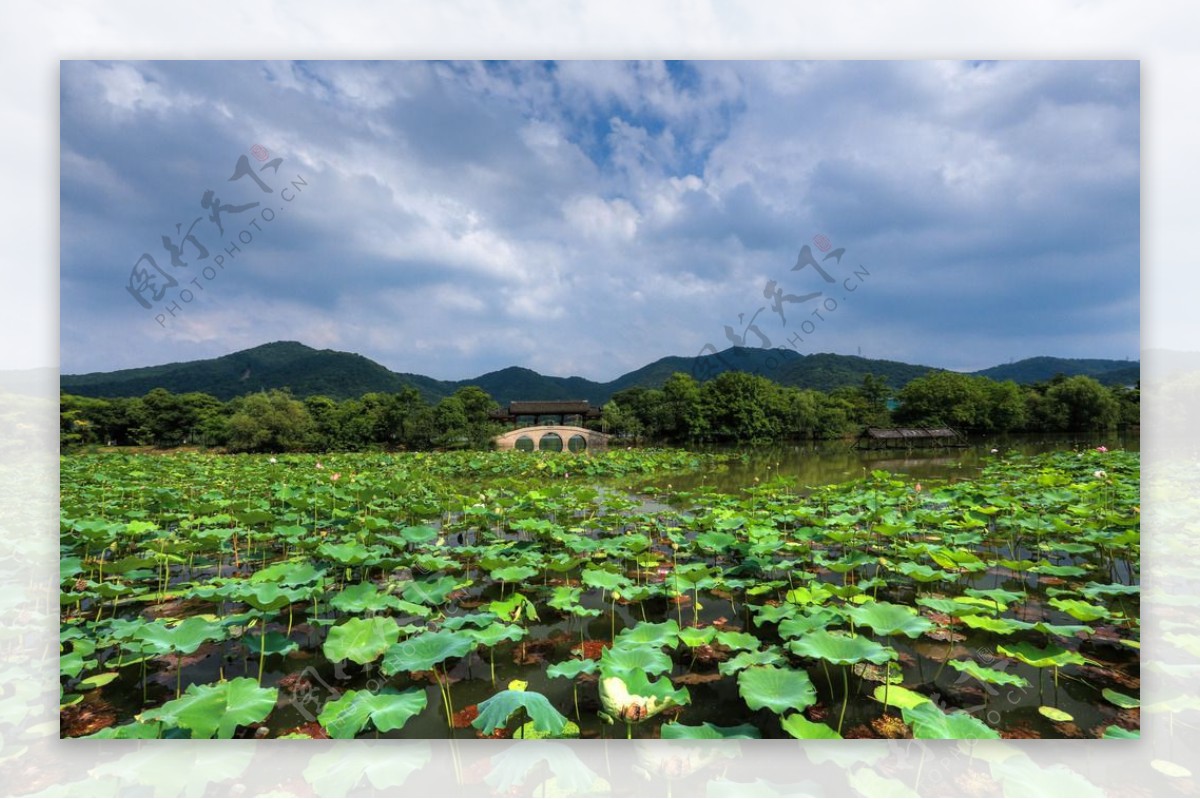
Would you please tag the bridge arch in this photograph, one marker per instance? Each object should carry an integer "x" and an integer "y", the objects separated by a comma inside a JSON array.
[{"x": 542, "y": 437}]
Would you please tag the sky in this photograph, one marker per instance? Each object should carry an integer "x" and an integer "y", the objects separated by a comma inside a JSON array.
[{"x": 586, "y": 218}]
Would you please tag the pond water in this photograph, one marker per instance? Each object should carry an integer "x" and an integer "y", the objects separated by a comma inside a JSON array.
[{"x": 825, "y": 462}]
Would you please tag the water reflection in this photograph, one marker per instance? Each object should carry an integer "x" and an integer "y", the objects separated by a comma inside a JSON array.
[{"x": 828, "y": 462}]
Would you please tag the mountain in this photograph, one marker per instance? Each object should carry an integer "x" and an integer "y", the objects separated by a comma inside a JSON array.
[
  {"x": 281, "y": 364},
  {"x": 342, "y": 375},
  {"x": 1037, "y": 370}
]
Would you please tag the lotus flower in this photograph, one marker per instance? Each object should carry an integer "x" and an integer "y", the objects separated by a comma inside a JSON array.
[
  {"x": 637, "y": 702},
  {"x": 1102, "y": 449}
]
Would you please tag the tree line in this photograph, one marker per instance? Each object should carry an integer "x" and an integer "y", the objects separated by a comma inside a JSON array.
[{"x": 731, "y": 408}]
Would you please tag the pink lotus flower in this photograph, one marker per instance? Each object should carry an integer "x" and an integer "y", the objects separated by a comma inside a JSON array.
[
  {"x": 319, "y": 466},
  {"x": 1102, "y": 449},
  {"x": 335, "y": 476},
  {"x": 917, "y": 487}
]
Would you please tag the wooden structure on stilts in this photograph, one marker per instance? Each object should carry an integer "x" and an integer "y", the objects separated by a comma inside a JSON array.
[{"x": 909, "y": 438}]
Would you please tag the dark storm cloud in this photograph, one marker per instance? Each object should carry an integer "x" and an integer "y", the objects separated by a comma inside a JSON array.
[{"x": 583, "y": 217}]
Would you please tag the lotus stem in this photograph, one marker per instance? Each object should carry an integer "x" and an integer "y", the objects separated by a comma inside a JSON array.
[
  {"x": 262, "y": 649},
  {"x": 845, "y": 696}
]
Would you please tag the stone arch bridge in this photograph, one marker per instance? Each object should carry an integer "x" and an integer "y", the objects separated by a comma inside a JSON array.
[{"x": 552, "y": 438}]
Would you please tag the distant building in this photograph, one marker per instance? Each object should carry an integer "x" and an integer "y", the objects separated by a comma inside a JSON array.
[{"x": 550, "y": 413}]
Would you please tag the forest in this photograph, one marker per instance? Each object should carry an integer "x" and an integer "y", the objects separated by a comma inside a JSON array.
[{"x": 734, "y": 407}]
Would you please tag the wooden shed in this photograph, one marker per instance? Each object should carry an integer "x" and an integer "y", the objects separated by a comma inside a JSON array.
[{"x": 909, "y": 438}]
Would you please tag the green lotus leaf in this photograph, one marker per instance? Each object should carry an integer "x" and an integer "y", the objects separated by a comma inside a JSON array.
[
  {"x": 999, "y": 626},
  {"x": 743, "y": 660},
  {"x": 513, "y": 574},
  {"x": 494, "y": 633},
  {"x": 1031, "y": 655},
  {"x": 814, "y": 594},
  {"x": 1054, "y": 714},
  {"x": 387, "y": 710},
  {"x": 928, "y": 721},
  {"x": 434, "y": 591},
  {"x": 658, "y": 635},
  {"x": 630, "y": 696},
  {"x": 606, "y": 580},
  {"x": 482, "y": 619},
  {"x": 797, "y": 726},
  {"x": 1057, "y": 571},
  {"x": 98, "y": 680},
  {"x": 185, "y": 637},
  {"x": 841, "y": 649},
  {"x": 426, "y": 650},
  {"x": 267, "y": 596},
  {"x": 516, "y": 607},
  {"x": 705, "y": 731},
  {"x": 886, "y": 618},
  {"x": 1080, "y": 610},
  {"x": 135, "y": 730},
  {"x": 1120, "y": 700},
  {"x": 715, "y": 542},
  {"x": 572, "y": 668},
  {"x": 1062, "y": 630},
  {"x": 1113, "y": 731},
  {"x": 529, "y": 732},
  {"x": 987, "y": 675},
  {"x": 773, "y": 614},
  {"x": 643, "y": 657},
  {"x": 68, "y": 568},
  {"x": 997, "y": 595},
  {"x": 495, "y": 711},
  {"x": 362, "y": 597},
  {"x": 350, "y": 553},
  {"x": 361, "y": 640},
  {"x": 818, "y": 619},
  {"x": 924, "y": 574},
  {"x": 276, "y": 644},
  {"x": 898, "y": 696},
  {"x": 218, "y": 709},
  {"x": 778, "y": 689},
  {"x": 289, "y": 573},
  {"x": 1094, "y": 590},
  {"x": 947, "y": 606},
  {"x": 735, "y": 640},
  {"x": 565, "y": 597},
  {"x": 693, "y": 637},
  {"x": 419, "y": 534}
]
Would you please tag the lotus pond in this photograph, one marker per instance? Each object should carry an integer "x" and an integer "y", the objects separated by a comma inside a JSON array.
[{"x": 513, "y": 594}]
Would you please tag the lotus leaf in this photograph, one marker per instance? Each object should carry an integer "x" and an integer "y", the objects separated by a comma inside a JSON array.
[
  {"x": 495, "y": 711},
  {"x": 361, "y": 640},
  {"x": 426, "y": 650},
  {"x": 778, "y": 689},
  {"x": 929, "y": 721},
  {"x": 797, "y": 726},
  {"x": 218, "y": 709},
  {"x": 707, "y": 731},
  {"x": 630, "y": 696},
  {"x": 841, "y": 649},
  {"x": 888, "y": 619},
  {"x": 388, "y": 710}
]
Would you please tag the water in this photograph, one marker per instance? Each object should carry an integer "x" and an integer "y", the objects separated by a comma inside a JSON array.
[{"x": 826, "y": 462}]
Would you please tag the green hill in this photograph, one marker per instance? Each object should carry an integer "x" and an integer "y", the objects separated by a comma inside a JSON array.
[
  {"x": 342, "y": 375},
  {"x": 1040, "y": 369}
]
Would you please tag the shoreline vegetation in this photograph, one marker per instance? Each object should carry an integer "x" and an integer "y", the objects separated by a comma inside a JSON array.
[{"x": 732, "y": 408}]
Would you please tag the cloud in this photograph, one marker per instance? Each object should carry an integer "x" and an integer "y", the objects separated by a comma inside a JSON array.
[{"x": 460, "y": 217}]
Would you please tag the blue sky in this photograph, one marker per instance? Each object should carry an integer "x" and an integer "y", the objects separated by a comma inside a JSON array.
[{"x": 585, "y": 218}]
